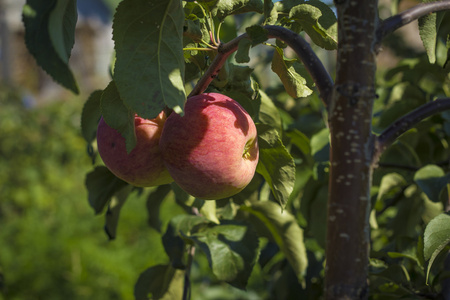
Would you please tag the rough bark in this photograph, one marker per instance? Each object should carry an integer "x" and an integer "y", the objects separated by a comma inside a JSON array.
[{"x": 350, "y": 114}]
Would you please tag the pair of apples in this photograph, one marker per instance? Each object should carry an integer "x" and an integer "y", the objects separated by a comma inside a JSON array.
[{"x": 211, "y": 151}]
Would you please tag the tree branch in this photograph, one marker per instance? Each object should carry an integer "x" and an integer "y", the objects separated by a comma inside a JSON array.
[
  {"x": 391, "y": 24},
  {"x": 390, "y": 134},
  {"x": 313, "y": 65}
]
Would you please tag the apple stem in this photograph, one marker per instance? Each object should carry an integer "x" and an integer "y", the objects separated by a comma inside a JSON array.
[{"x": 313, "y": 65}]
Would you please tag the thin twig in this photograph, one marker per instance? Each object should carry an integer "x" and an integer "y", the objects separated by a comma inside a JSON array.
[
  {"x": 187, "y": 274},
  {"x": 390, "y": 134},
  {"x": 443, "y": 163},
  {"x": 190, "y": 259},
  {"x": 405, "y": 17},
  {"x": 398, "y": 166},
  {"x": 313, "y": 65}
]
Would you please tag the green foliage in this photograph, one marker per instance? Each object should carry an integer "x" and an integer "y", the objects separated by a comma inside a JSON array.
[
  {"x": 436, "y": 237},
  {"x": 268, "y": 241},
  {"x": 231, "y": 249},
  {"x": 49, "y": 36},
  {"x": 284, "y": 231},
  {"x": 275, "y": 164},
  {"x": 160, "y": 282},
  {"x": 51, "y": 243},
  {"x": 102, "y": 185},
  {"x": 318, "y": 21},
  {"x": 117, "y": 115},
  {"x": 149, "y": 66},
  {"x": 293, "y": 82}
]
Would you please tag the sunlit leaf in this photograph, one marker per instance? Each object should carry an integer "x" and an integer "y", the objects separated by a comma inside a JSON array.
[
  {"x": 293, "y": 82},
  {"x": 428, "y": 29},
  {"x": 275, "y": 164},
  {"x": 436, "y": 237},
  {"x": 318, "y": 21},
  {"x": 285, "y": 231},
  {"x": 149, "y": 67},
  {"x": 160, "y": 282},
  {"x": 208, "y": 210},
  {"x": 224, "y": 8}
]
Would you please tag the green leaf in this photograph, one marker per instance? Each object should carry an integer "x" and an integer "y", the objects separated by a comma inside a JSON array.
[
  {"x": 257, "y": 34},
  {"x": 410, "y": 212},
  {"x": 436, "y": 237},
  {"x": 90, "y": 116},
  {"x": 285, "y": 231},
  {"x": 390, "y": 185},
  {"x": 232, "y": 251},
  {"x": 178, "y": 227},
  {"x": 149, "y": 67},
  {"x": 270, "y": 13},
  {"x": 432, "y": 180},
  {"x": 154, "y": 201},
  {"x": 300, "y": 140},
  {"x": 428, "y": 30},
  {"x": 293, "y": 82},
  {"x": 117, "y": 115},
  {"x": 49, "y": 47},
  {"x": 208, "y": 210},
  {"x": 160, "y": 282},
  {"x": 269, "y": 113},
  {"x": 242, "y": 53},
  {"x": 318, "y": 21},
  {"x": 275, "y": 164},
  {"x": 447, "y": 45},
  {"x": 320, "y": 145},
  {"x": 61, "y": 26},
  {"x": 101, "y": 185},
  {"x": 224, "y": 8},
  {"x": 113, "y": 212}
]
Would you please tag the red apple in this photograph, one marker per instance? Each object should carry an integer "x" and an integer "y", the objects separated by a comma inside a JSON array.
[
  {"x": 143, "y": 166},
  {"x": 212, "y": 151}
]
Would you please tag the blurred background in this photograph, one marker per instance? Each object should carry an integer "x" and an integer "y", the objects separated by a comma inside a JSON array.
[{"x": 52, "y": 246}]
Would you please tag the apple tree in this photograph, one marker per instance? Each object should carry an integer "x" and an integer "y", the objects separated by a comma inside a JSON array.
[{"x": 351, "y": 192}]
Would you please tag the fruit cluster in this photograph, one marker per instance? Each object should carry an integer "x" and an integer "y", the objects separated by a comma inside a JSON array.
[{"x": 211, "y": 151}]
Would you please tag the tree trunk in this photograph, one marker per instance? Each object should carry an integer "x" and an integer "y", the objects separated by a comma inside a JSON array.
[{"x": 350, "y": 117}]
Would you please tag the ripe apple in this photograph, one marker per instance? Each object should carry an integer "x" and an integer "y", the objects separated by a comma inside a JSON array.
[
  {"x": 212, "y": 151},
  {"x": 143, "y": 166}
]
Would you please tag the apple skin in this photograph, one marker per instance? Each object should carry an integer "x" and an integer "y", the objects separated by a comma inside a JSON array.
[
  {"x": 143, "y": 166},
  {"x": 212, "y": 151}
]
